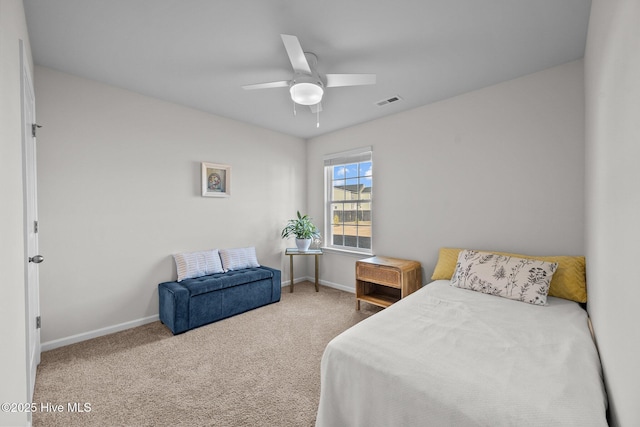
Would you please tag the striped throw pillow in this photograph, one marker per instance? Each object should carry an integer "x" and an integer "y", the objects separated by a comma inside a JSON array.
[
  {"x": 238, "y": 258},
  {"x": 197, "y": 264}
]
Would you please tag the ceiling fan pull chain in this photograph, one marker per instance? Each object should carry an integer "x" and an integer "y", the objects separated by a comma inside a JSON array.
[
  {"x": 318, "y": 118},
  {"x": 294, "y": 102}
]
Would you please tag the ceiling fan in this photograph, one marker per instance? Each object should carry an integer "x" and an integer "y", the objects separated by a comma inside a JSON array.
[{"x": 307, "y": 86}]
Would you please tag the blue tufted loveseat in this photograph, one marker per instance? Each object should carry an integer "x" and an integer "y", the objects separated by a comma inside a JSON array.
[{"x": 195, "y": 302}]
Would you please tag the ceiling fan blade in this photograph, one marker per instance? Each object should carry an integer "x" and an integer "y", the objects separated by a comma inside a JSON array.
[
  {"x": 296, "y": 54},
  {"x": 335, "y": 80},
  {"x": 282, "y": 83},
  {"x": 316, "y": 108}
]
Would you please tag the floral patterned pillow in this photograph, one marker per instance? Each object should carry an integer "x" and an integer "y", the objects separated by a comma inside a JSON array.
[{"x": 520, "y": 279}]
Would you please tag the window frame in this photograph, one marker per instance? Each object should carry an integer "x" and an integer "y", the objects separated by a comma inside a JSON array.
[{"x": 358, "y": 156}]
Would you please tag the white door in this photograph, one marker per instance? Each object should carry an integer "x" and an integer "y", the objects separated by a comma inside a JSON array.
[{"x": 32, "y": 258}]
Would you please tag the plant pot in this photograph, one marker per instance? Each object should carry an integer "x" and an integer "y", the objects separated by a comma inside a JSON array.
[{"x": 303, "y": 244}]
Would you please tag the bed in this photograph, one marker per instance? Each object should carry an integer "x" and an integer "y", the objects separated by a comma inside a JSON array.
[{"x": 445, "y": 356}]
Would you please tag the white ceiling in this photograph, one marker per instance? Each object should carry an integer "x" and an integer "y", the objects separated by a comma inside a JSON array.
[{"x": 200, "y": 52}]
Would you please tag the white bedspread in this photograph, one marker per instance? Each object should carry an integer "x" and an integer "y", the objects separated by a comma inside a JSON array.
[{"x": 452, "y": 357}]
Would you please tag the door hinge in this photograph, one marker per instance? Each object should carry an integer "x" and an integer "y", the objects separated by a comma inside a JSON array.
[
  {"x": 38, "y": 322},
  {"x": 35, "y": 227},
  {"x": 33, "y": 129}
]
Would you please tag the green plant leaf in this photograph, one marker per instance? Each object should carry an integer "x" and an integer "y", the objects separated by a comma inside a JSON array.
[{"x": 301, "y": 228}]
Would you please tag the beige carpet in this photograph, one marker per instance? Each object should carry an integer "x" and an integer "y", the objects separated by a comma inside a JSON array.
[{"x": 260, "y": 368}]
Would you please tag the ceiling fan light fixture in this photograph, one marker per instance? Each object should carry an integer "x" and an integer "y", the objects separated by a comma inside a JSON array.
[{"x": 305, "y": 93}]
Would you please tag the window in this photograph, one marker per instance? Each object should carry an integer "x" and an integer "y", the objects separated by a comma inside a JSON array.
[{"x": 348, "y": 222}]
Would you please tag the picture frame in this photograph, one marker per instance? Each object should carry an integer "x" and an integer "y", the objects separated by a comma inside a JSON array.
[{"x": 216, "y": 180}]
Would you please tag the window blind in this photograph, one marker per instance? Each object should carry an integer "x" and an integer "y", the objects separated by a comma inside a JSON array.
[{"x": 351, "y": 156}]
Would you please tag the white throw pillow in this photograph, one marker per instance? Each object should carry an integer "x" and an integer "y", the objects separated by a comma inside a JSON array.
[
  {"x": 520, "y": 279},
  {"x": 197, "y": 264},
  {"x": 238, "y": 258}
]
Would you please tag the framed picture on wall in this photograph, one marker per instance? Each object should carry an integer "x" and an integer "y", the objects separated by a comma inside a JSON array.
[{"x": 216, "y": 180}]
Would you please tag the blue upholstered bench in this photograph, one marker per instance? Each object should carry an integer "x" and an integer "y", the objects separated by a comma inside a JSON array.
[{"x": 195, "y": 302}]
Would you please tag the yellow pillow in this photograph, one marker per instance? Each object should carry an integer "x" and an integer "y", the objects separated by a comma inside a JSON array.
[{"x": 568, "y": 282}]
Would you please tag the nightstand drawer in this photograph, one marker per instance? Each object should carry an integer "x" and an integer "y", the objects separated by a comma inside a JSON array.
[{"x": 379, "y": 274}]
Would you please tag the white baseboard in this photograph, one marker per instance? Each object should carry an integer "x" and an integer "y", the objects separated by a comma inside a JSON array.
[
  {"x": 332, "y": 285},
  {"x": 50, "y": 345},
  {"x": 284, "y": 283},
  {"x": 320, "y": 281}
]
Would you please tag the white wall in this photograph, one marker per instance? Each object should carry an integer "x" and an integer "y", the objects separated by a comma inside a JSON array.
[
  {"x": 119, "y": 192},
  {"x": 13, "y": 359},
  {"x": 612, "y": 90},
  {"x": 500, "y": 168}
]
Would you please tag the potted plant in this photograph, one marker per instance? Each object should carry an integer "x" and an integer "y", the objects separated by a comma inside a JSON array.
[{"x": 303, "y": 229}]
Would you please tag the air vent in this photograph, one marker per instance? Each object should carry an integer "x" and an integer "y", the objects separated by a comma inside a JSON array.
[{"x": 387, "y": 101}]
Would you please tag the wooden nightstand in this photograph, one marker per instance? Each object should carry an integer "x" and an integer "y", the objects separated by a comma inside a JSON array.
[{"x": 382, "y": 280}]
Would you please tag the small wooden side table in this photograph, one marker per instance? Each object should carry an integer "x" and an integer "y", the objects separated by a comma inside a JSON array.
[
  {"x": 294, "y": 251},
  {"x": 383, "y": 280}
]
